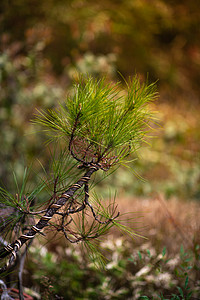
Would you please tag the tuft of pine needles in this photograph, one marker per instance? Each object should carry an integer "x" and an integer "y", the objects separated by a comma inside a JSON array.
[{"x": 102, "y": 123}]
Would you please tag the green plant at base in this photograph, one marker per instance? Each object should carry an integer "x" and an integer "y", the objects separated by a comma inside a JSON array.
[
  {"x": 185, "y": 273},
  {"x": 96, "y": 129}
]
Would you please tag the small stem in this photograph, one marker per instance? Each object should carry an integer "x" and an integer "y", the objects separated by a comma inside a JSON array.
[
  {"x": 20, "y": 273},
  {"x": 92, "y": 209},
  {"x": 36, "y": 212}
]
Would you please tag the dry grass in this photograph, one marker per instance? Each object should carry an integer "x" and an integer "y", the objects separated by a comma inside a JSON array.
[
  {"x": 164, "y": 223},
  {"x": 167, "y": 223}
]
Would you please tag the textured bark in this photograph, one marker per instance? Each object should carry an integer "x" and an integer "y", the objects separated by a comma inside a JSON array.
[{"x": 43, "y": 222}]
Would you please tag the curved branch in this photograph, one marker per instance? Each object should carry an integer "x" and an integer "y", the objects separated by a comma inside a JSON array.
[{"x": 92, "y": 209}]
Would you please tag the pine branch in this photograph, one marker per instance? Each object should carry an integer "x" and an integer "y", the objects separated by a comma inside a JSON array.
[
  {"x": 43, "y": 222},
  {"x": 99, "y": 126}
]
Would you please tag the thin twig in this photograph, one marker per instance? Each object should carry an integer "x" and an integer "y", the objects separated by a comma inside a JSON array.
[
  {"x": 92, "y": 209},
  {"x": 36, "y": 212},
  {"x": 20, "y": 273}
]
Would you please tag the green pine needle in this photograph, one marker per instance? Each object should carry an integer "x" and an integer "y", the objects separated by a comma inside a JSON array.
[{"x": 105, "y": 122}]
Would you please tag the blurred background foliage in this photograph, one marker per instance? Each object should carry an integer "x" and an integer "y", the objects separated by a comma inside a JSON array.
[
  {"x": 156, "y": 37},
  {"x": 45, "y": 44},
  {"x": 43, "y": 47}
]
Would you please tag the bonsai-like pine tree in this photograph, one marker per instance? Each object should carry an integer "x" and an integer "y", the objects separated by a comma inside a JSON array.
[{"x": 96, "y": 128}]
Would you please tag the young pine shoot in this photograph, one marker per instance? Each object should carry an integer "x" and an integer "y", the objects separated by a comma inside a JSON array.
[{"x": 96, "y": 128}]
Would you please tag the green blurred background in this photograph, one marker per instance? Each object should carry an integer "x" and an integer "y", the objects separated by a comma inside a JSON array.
[{"x": 45, "y": 44}]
